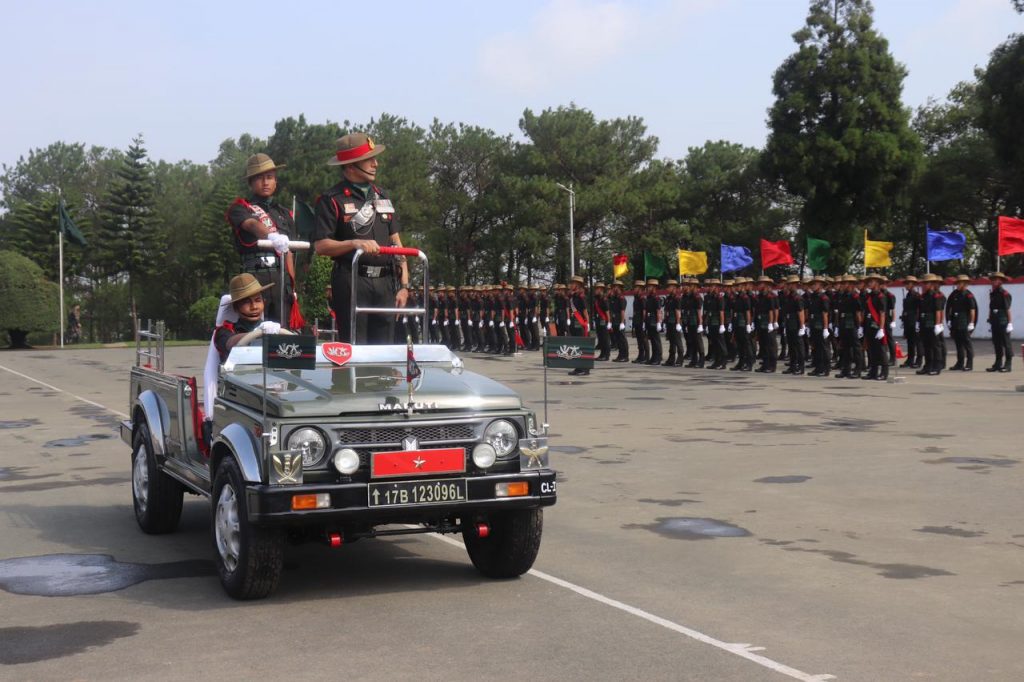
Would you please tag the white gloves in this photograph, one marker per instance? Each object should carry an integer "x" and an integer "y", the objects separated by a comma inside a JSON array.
[
  {"x": 970, "y": 327},
  {"x": 721, "y": 329},
  {"x": 824, "y": 333},
  {"x": 492, "y": 323},
  {"x": 750, "y": 329},
  {"x": 517, "y": 320},
  {"x": 728, "y": 327},
  {"x": 860, "y": 332},
  {"x": 772, "y": 326},
  {"x": 679, "y": 327},
  {"x": 445, "y": 323},
  {"x": 481, "y": 324},
  {"x": 700, "y": 329},
  {"x": 269, "y": 327},
  {"x": 892, "y": 324},
  {"x": 801, "y": 331},
  {"x": 622, "y": 326},
  {"x": 938, "y": 329},
  {"x": 547, "y": 320},
  {"x": 880, "y": 334},
  {"x": 433, "y": 322},
  {"x": 660, "y": 327},
  {"x": 279, "y": 242},
  {"x": 917, "y": 326},
  {"x": 405, "y": 319},
  {"x": 533, "y": 320},
  {"x": 1009, "y": 327}
]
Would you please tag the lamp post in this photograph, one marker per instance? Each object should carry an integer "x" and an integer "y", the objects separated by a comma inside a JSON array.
[{"x": 572, "y": 238}]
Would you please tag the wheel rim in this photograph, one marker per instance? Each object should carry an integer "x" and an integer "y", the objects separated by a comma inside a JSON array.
[
  {"x": 140, "y": 479},
  {"x": 226, "y": 527}
]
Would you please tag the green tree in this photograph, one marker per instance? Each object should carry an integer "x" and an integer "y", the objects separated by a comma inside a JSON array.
[
  {"x": 839, "y": 135},
  {"x": 1001, "y": 97},
  {"x": 129, "y": 242},
  {"x": 28, "y": 302}
]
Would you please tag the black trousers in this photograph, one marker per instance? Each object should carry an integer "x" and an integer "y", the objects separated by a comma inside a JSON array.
[
  {"x": 744, "y": 345},
  {"x": 695, "y": 345},
  {"x": 878, "y": 356},
  {"x": 850, "y": 351},
  {"x": 643, "y": 346},
  {"x": 1001, "y": 345},
  {"x": 934, "y": 349},
  {"x": 769, "y": 351},
  {"x": 371, "y": 292},
  {"x": 716, "y": 345},
  {"x": 820, "y": 351},
  {"x": 796, "y": 349},
  {"x": 964, "y": 347},
  {"x": 272, "y": 297},
  {"x": 604, "y": 346},
  {"x": 619, "y": 341},
  {"x": 675, "y": 343},
  {"x": 914, "y": 351},
  {"x": 655, "y": 339}
]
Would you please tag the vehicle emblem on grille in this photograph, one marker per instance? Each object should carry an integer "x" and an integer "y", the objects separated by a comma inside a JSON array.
[
  {"x": 410, "y": 443},
  {"x": 419, "y": 462},
  {"x": 288, "y": 351},
  {"x": 288, "y": 467},
  {"x": 534, "y": 453}
]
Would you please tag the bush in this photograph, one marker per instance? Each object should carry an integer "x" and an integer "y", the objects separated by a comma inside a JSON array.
[
  {"x": 202, "y": 315},
  {"x": 312, "y": 298},
  {"x": 28, "y": 303}
]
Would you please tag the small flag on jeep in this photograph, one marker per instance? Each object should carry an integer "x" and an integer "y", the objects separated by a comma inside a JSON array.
[
  {"x": 412, "y": 370},
  {"x": 289, "y": 351}
]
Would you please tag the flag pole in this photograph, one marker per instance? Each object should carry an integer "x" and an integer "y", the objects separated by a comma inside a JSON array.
[
  {"x": 60, "y": 266},
  {"x": 927, "y": 262}
]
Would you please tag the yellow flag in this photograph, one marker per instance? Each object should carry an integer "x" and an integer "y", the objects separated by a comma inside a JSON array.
[
  {"x": 692, "y": 262},
  {"x": 620, "y": 265},
  {"x": 876, "y": 254}
]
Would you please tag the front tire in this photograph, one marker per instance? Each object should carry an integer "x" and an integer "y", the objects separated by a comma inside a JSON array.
[
  {"x": 249, "y": 558},
  {"x": 511, "y": 547},
  {"x": 157, "y": 497}
]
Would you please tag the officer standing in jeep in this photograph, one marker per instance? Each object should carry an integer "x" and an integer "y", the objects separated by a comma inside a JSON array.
[{"x": 356, "y": 214}]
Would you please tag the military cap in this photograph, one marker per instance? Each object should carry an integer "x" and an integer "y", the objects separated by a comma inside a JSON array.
[
  {"x": 765, "y": 279},
  {"x": 638, "y": 283},
  {"x": 577, "y": 279},
  {"x": 793, "y": 279},
  {"x": 559, "y": 286},
  {"x": 617, "y": 283},
  {"x": 998, "y": 275},
  {"x": 910, "y": 279},
  {"x": 872, "y": 275},
  {"x": 931, "y": 277},
  {"x": 672, "y": 283},
  {"x": 963, "y": 278},
  {"x": 729, "y": 282},
  {"x": 652, "y": 282},
  {"x": 258, "y": 164},
  {"x": 353, "y": 148},
  {"x": 600, "y": 285}
]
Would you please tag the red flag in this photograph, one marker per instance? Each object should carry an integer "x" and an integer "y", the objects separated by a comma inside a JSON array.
[
  {"x": 899, "y": 352},
  {"x": 1011, "y": 235},
  {"x": 775, "y": 253},
  {"x": 295, "y": 319},
  {"x": 412, "y": 368}
]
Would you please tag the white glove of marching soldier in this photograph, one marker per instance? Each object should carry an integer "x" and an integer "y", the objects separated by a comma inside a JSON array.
[
  {"x": 679, "y": 327},
  {"x": 481, "y": 324},
  {"x": 608, "y": 326},
  {"x": 1009, "y": 327},
  {"x": 824, "y": 334},
  {"x": 660, "y": 327},
  {"x": 801, "y": 331},
  {"x": 917, "y": 326},
  {"x": 269, "y": 327},
  {"x": 892, "y": 324},
  {"x": 700, "y": 329},
  {"x": 970, "y": 327},
  {"x": 492, "y": 323},
  {"x": 547, "y": 320},
  {"x": 445, "y": 323},
  {"x": 533, "y": 320},
  {"x": 622, "y": 326},
  {"x": 880, "y": 334},
  {"x": 721, "y": 329},
  {"x": 750, "y": 328},
  {"x": 860, "y": 332},
  {"x": 938, "y": 329},
  {"x": 433, "y": 322},
  {"x": 728, "y": 327},
  {"x": 279, "y": 242}
]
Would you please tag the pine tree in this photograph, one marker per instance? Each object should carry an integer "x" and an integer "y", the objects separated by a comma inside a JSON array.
[
  {"x": 129, "y": 242},
  {"x": 840, "y": 136}
]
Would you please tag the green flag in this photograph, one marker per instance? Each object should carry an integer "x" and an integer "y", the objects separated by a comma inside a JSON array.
[
  {"x": 68, "y": 227},
  {"x": 305, "y": 219},
  {"x": 817, "y": 254},
  {"x": 654, "y": 266}
]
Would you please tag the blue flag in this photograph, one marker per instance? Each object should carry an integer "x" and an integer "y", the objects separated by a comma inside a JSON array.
[
  {"x": 735, "y": 257},
  {"x": 945, "y": 245}
]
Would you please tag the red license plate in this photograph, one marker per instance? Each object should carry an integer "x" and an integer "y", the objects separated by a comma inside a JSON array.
[{"x": 418, "y": 462}]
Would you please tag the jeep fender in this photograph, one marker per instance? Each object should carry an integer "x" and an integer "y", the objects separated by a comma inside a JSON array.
[
  {"x": 241, "y": 444},
  {"x": 154, "y": 413}
]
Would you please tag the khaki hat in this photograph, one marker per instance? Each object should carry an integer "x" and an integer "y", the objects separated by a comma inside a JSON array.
[
  {"x": 931, "y": 277},
  {"x": 559, "y": 286},
  {"x": 764, "y": 279},
  {"x": 600, "y": 285},
  {"x": 244, "y": 286},
  {"x": 259, "y": 164},
  {"x": 910, "y": 279},
  {"x": 672, "y": 283},
  {"x": 793, "y": 279},
  {"x": 872, "y": 275},
  {"x": 998, "y": 275},
  {"x": 652, "y": 282},
  {"x": 729, "y": 282},
  {"x": 578, "y": 279},
  {"x": 353, "y": 148},
  {"x": 963, "y": 278},
  {"x": 617, "y": 283},
  {"x": 638, "y": 283}
]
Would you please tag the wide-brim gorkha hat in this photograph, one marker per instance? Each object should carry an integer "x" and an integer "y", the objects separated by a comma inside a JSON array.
[
  {"x": 910, "y": 279},
  {"x": 578, "y": 279},
  {"x": 672, "y": 283},
  {"x": 728, "y": 283},
  {"x": 931, "y": 277},
  {"x": 998, "y": 275},
  {"x": 638, "y": 283},
  {"x": 559, "y": 286},
  {"x": 963, "y": 278},
  {"x": 765, "y": 279},
  {"x": 652, "y": 282},
  {"x": 258, "y": 164},
  {"x": 793, "y": 279},
  {"x": 244, "y": 286},
  {"x": 600, "y": 285},
  {"x": 872, "y": 276},
  {"x": 353, "y": 148},
  {"x": 618, "y": 283}
]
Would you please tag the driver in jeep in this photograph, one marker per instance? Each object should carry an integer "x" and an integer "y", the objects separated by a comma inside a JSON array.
[{"x": 247, "y": 300}]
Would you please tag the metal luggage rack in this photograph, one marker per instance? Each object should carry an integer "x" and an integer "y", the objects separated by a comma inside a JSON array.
[{"x": 153, "y": 334}]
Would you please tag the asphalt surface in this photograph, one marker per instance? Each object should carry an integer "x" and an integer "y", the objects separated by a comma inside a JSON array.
[{"x": 710, "y": 526}]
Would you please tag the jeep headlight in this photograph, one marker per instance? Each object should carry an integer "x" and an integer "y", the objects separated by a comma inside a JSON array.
[
  {"x": 502, "y": 435},
  {"x": 312, "y": 444}
]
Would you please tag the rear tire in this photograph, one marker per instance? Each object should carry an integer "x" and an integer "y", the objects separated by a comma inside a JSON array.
[
  {"x": 157, "y": 497},
  {"x": 249, "y": 558},
  {"x": 511, "y": 547}
]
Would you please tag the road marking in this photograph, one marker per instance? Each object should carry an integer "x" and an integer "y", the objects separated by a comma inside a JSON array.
[
  {"x": 61, "y": 390},
  {"x": 742, "y": 650}
]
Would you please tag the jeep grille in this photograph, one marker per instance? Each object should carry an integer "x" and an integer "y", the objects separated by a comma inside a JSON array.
[{"x": 393, "y": 435}]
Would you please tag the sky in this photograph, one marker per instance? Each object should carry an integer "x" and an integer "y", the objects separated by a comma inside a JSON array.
[{"x": 188, "y": 75}]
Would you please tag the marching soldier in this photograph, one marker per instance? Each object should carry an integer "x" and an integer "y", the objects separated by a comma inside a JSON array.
[
  {"x": 673, "y": 326},
  {"x": 890, "y": 331},
  {"x": 543, "y": 312},
  {"x": 875, "y": 323},
  {"x": 743, "y": 326},
  {"x": 728, "y": 301},
  {"x": 579, "y": 316},
  {"x": 561, "y": 305},
  {"x": 933, "y": 306},
  {"x": 643, "y": 345},
  {"x": 693, "y": 323},
  {"x": 851, "y": 317},
  {"x": 714, "y": 323},
  {"x": 962, "y": 314},
  {"x": 767, "y": 312},
  {"x": 794, "y": 313},
  {"x": 602, "y": 322},
  {"x": 999, "y": 300},
  {"x": 617, "y": 311},
  {"x": 652, "y": 318}
]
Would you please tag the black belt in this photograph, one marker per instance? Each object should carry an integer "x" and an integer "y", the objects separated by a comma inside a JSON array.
[
  {"x": 260, "y": 262},
  {"x": 374, "y": 271}
]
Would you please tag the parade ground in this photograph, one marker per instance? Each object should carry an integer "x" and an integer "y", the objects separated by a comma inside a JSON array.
[{"x": 710, "y": 525}]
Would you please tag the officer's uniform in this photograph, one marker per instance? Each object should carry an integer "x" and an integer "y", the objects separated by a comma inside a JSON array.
[
  {"x": 999, "y": 301},
  {"x": 602, "y": 322},
  {"x": 377, "y": 277},
  {"x": 910, "y": 317},
  {"x": 792, "y": 305},
  {"x": 742, "y": 325},
  {"x": 851, "y": 311},
  {"x": 692, "y": 314}
]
